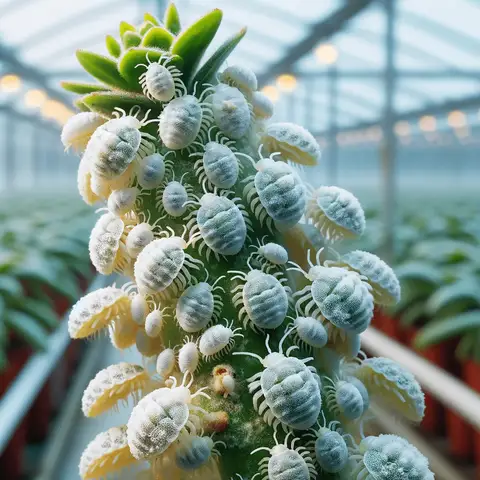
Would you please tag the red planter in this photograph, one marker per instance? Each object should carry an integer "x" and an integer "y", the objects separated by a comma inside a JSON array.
[
  {"x": 38, "y": 418},
  {"x": 471, "y": 375},
  {"x": 392, "y": 327}
]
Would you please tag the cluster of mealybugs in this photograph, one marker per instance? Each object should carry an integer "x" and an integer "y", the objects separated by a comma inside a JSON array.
[{"x": 201, "y": 196}]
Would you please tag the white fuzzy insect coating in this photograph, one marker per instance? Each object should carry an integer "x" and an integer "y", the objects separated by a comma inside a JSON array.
[
  {"x": 280, "y": 191},
  {"x": 188, "y": 357},
  {"x": 274, "y": 253},
  {"x": 173, "y": 198},
  {"x": 122, "y": 201},
  {"x": 156, "y": 422},
  {"x": 113, "y": 146},
  {"x": 240, "y": 77},
  {"x": 151, "y": 171},
  {"x": 165, "y": 362},
  {"x": 139, "y": 309},
  {"x": 220, "y": 165},
  {"x": 195, "y": 307},
  {"x": 180, "y": 122},
  {"x": 293, "y": 142},
  {"x": 159, "y": 82},
  {"x": 230, "y": 111},
  {"x": 287, "y": 464},
  {"x": 336, "y": 213},
  {"x": 154, "y": 323},
  {"x": 344, "y": 299},
  {"x": 311, "y": 331},
  {"x": 363, "y": 391},
  {"x": 331, "y": 451},
  {"x": 214, "y": 340},
  {"x": 138, "y": 238},
  {"x": 349, "y": 400},
  {"x": 390, "y": 457},
  {"x": 110, "y": 385},
  {"x": 221, "y": 224},
  {"x": 77, "y": 131},
  {"x": 263, "y": 107},
  {"x": 105, "y": 454},
  {"x": 84, "y": 177},
  {"x": 194, "y": 452},
  {"x": 96, "y": 310},
  {"x": 158, "y": 264}
]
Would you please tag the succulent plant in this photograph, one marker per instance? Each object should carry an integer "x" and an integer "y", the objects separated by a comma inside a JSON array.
[{"x": 205, "y": 216}]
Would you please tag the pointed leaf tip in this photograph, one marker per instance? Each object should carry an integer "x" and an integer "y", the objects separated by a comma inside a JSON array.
[{"x": 172, "y": 19}]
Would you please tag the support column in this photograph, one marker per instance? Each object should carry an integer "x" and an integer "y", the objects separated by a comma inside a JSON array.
[{"x": 332, "y": 163}]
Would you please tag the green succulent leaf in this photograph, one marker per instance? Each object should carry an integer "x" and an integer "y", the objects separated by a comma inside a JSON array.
[
  {"x": 454, "y": 298},
  {"x": 192, "y": 42},
  {"x": 10, "y": 286},
  {"x": 83, "y": 88},
  {"x": 211, "y": 66},
  {"x": 80, "y": 105},
  {"x": 446, "y": 328},
  {"x": 105, "y": 103},
  {"x": 419, "y": 272},
  {"x": 131, "y": 39},
  {"x": 27, "y": 328},
  {"x": 102, "y": 68},
  {"x": 126, "y": 27},
  {"x": 37, "y": 309},
  {"x": 158, "y": 37},
  {"x": 172, "y": 19},
  {"x": 145, "y": 27},
  {"x": 412, "y": 314},
  {"x": 148, "y": 17},
  {"x": 113, "y": 47}
]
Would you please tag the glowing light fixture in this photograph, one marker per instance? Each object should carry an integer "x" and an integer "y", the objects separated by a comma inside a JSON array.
[
  {"x": 402, "y": 129},
  {"x": 10, "y": 83},
  {"x": 271, "y": 92},
  {"x": 35, "y": 98},
  {"x": 286, "y": 82},
  {"x": 428, "y": 123},
  {"x": 326, "y": 54},
  {"x": 457, "y": 119}
]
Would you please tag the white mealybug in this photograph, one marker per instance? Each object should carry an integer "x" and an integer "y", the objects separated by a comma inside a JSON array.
[
  {"x": 194, "y": 451},
  {"x": 84, "y": 178},
  {"x": 262, "y": 106},
  {"x": 123, "y": 332},
  {"x": 240, "y": 77},
  {"x": 344, "y": 398},
  {"x": 296, "y": 407},
  {"x": 363, "y": 391},
  {"x": 269, "y": 255},
  {"x": 221, "y": 224},
  {"x": 183, "y": 119},
  {"x": 117, "y": 143},
  {"x": 174, "y": 197},
  {"x": 77, "y": 131},
  {"x": 218, "y": 340},
  {"x": 231, "y": 111},
  {"x": 336, "y": 213},
  {"x": 161, "y": 81},
  {"x": 138, "y": 238},
  {"x": 262, "y": 297},
  {"x": 163, "y": 263},
  {"x": 159, "y": 418},
  {"x": 151, "y": 170},
  {"x": 155, "y": 321},
  {"x": 188, "y": 356},
  {"x": 331, "y": 450},
  {"x": 139, "y": 309},
  {"x": 381, "y": 277},
  {"x": 198, "y": 305},
  {"x": 286, "y": 463},
  {"x": 165, "y": 363},
  {"x": 293, "y": 142},
  {"x": 103, "y": 187},
  {"x": 223, "y": 380},
  {"x": 310, "y": 331},
  {"x": 121, "y": 202},
  {"x": 275, "y": 194}
]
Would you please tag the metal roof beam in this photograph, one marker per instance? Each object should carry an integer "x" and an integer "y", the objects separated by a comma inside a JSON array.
[
  {"x": 30, "y": 118},
  {"x": 320, "y": 30},
  {"x": 377, "y": 74}
]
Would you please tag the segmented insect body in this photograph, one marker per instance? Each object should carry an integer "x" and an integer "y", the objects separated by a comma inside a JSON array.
[
  {"x": 138, "y": 238},
  {"x": 220, "y": 165},
  {"x": 154, "y": 323},
  {"x": 105, "y": 454},
  {"x": 195, "y": 451},
  {"x": 77, "y": 131},
  {"x": 363, "y": 391},
  {"x": 165, "y": 363},
  {"x": 111, "y": 385},
  {"x": 120, "y": 202},
  {"x": 123, "y": 332},
  {"x": 139, "y": 309},
  {"x": 293, "y": 142},
  {"x": 84, "y": 177},
  {"x": 393, "y": 385},
  {"x": 197, "y": 305},
  {"x": 291, "y": 389},
  {"x": 240, "y": 77},
  {"x": 151, "y": 170},
  {"x": 311, "y": 331},
  {"x": 331, "y": 450},
  {"x": 262, "y": 106},
  {"x": 97, "y": 310},
  {"x": 174, "y": 197},
  {"x": 345, "y": 398},
  {"x": 263, "y": 299},
  {"x": 188, "y": 356},
  {"x": 388, "y": 457},
  {"x": 221, "y": 224},
  {"x": 231, "y": 111},
  {"x": 384, "y": 282},
  {"x": 270, "y": 255},
  {"x": 336, "y": 213},
  {"x": 218, "y": 339}
]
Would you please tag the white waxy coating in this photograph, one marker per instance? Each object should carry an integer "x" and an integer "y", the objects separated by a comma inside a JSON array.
[
  {"x": 151, "y": 171},
  {"x": 331, "y": 451},
  {"x": 221, "y": 224},
  {"x": 274, "y": 253},
  {"x": 311, "y": 331},
  {"x": 138, "y": 238},
  {"x": 113, "y": 146},
  {"x": 228, "y": 383},
  {"x": 188, "y": 357},
  {"x": 363, "y": 391},
  {"x": 220, "y": 165},
  {"x": 173, "y": 199},
  {"x": 281, "y": 191},
  {"x": 287, "y": 464},
  {"x": 240, "y": 77},
  {"x": 156, "y": 422},
  {"x": 84, "y": 177},
  {"x": 262, "y": 106},
  {"x": 230, "y": 111},
  {"x": 139, "y": 309},
  {"x": 293, "y": 142},
  {"x": 158, "y": 264},
  {"x": 180, "y": 122},
  {"x": 194, "y": 452},
  {"x": 165, "y": 363},
  {"x": 77, "y": 131},
  {"x": 215, "y": 339},
  {"x": 195, "y": 307},
  {"x": 159, "y": 83},
  {"x": 349, "y": 400},
  {"x": 154, "y": 323},
  {"x": 265, "y": 300},
  {"x": 343, "y": 298},
  {"x": 122, "y": 201}
]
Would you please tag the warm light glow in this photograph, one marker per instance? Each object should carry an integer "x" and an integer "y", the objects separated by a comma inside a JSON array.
[
  {"x": 57, "y": 111},
  {"x": 374, "y": 134},
  {"x": 428, "y": 123},
  {"x": 402, "y": 129},
  {"x": 10, "y": 83},
  {"x": 286, "y": 82},
  {"x": 35, "y": 98},
  {"x": 326, "y": 54},
  {"x": 271, "y": 92},
  {"x": 457, "y": 119}
]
